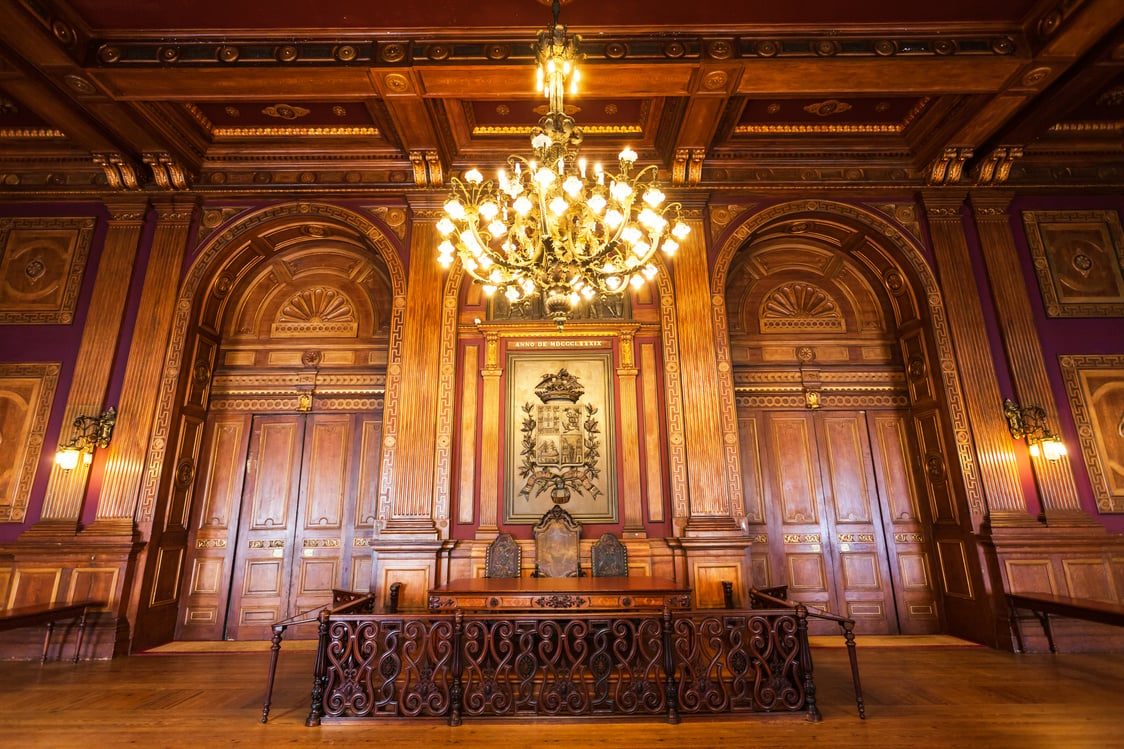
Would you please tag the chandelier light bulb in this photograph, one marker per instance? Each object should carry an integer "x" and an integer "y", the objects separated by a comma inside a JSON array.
[
  {"x": 620, "y": 191},
  {"x": 588, "y": 292},
  {"x": 613, "y": 218},
  {"x": 669, "y": 247},
  {"x": 454, "y": 209},
  {"x": 473, "y": 177},
  {"x": 650, "y": 272},
  {"x": 596, "y": 203},
  {"x": 497, "y": 228},
  {"x": 512, "y": 294},
  {"x": 653, "y": 197},
  {"x": 627, "y": 156},
  {"x": 521, "y": 205},
  {"x": 637, "y": 281},
  {"x": 489, "y": 289},
  {"x": 681, "y": 230},
  {"x": 572, "y": 186},
  {"x": 489, "y": 210},
  {"x": 445, "y": 226}
]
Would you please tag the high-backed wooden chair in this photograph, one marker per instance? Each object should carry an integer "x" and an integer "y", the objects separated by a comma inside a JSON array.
[
  {"x": 557, "y": 544},
  {"x": 503, "y": 558},
  {"x": 609, "y": 557}
]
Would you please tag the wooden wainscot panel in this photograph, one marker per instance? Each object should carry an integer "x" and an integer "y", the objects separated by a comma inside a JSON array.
[
  {"x": 5, "y": 583},
  {"x": 1089, "y": 578},
  {"x": 942, "y": 503},
  {"x": 1116, "y": 563},
  {"x": 360, "y": 570},
  {"x": 707, "y": 583},
  {"x": 169, "y": 566},
  {"x": 414, "y": 595},
  {"x": 954, "y": 569},
  {"x": 93, "y": 583},
  {"x": 1031, "y": 576},
  {"x": 32, "y": 585},
  {"x": 806, "y": 572}
]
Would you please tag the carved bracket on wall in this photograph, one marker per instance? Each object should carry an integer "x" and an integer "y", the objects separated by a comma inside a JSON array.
[
  {"x": 948, "y": 169},
  {"x": 166, "y": 173},
  {"x": 119, "y": 173},
  {"x": 427, "y": 169},
  {"x": 995, "y": 169},
  {"x": 686, "y": 169}
]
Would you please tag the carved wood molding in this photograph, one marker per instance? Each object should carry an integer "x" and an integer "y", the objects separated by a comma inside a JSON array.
[
  {"x": 27, "y": 392},
  {"x": 927, "y": 297},
  {"x": 207, "y": 269},
  {"x": 42, "y": 264},
  {"x": 1096, "y": 399}
]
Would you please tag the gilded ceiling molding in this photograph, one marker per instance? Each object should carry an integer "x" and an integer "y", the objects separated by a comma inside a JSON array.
[
  {"x": 119, "y": 173},
  {"x": 996, "y": 167},
  {"x": 910, "y": 253}
]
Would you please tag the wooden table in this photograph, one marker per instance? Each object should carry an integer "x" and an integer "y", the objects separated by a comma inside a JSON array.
[
  {"x": 638, "y": 593},
  {"x": 49, "y": 613},
  {"x": 1044, "y": 604}
]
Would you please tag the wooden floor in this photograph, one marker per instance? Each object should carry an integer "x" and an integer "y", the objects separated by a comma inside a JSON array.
[{"x": 916, "y": 696}]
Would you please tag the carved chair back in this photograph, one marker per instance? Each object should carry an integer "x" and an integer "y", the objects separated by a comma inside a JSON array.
[
  {"x": 503, "y": 558},
  {"x": 557, "y": 544},
  {"x": 609, "y": 557}
]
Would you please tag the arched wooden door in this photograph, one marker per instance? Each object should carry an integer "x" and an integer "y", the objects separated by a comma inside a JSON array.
[{"x": 827, "y": 453}]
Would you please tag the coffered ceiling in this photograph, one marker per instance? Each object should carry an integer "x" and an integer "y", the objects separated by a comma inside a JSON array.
[{"x": 235, "y": 96}]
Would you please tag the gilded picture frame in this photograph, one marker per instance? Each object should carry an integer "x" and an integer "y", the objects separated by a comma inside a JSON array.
[
  {"x": 1079, "y": 261},
  {"x": 1095, "y": 386},
  {"x": 42, "y": 264},
  {"x": 27, "y": 392},
  {"x": 560, "y": 444}
]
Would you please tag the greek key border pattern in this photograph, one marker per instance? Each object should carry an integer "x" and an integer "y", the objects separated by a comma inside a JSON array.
[
  {"x": 673, "y": 386},
  {"x": 446, "y": 399}
]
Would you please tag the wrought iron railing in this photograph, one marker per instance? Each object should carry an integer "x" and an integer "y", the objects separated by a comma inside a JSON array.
[{"x": 547, "y": 664}]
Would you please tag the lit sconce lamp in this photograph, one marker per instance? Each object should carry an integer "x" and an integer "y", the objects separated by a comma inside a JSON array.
[
  {"x": 1029, "y": 423},
  {"x": 93, "y": 432}
]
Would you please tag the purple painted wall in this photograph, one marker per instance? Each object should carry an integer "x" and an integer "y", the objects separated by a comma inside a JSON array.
[{"x": 60, "y": 343}]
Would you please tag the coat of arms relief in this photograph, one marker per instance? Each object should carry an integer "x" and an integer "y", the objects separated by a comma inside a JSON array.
[{"x": 561, "y": 440}]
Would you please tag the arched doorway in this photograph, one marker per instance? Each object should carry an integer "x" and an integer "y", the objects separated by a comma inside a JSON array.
[
  {"x": 833, "y": 336},
  {"x": 288, "y": 356}
]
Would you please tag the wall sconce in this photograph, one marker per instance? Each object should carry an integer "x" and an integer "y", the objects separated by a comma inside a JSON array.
[
  {"x": 1029, "y": 423},
  {"x": 93, "y": 432}
]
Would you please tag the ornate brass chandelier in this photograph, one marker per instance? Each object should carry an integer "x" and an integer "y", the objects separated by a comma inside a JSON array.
[{"x": 549, "y": 225}]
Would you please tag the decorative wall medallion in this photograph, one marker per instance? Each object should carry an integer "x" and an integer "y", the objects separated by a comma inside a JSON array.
[
  {"x": 720, "y": 49},
  {"x": 615, "y": 50},
  {"x": 345, "y": 53},
  {"x": 392, "y": 52},
  {"x": 397, "y": 83},
  {"x": 185, "y": 474},
  {"x": 79, "y": 85},
  {"x": 438, "y": 52},
  {"x": 228, "y": 54},
  {"x": 287, "y": 53},
  {"x": 285, "y": 112}
]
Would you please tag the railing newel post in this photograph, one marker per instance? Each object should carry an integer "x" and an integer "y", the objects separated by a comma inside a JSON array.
[
  {"x": 671, "y": 688},
  {"x": 456, "y": 692},
  {"x": 806, "y": 663},
  {"x": 319, "y": 677}
]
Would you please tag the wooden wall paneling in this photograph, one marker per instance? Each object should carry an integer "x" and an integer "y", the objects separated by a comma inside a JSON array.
[
  {"x": 709, "y": 500},
  {"x": 998, "y": 471},
  {"x": 490, "y": 439},
  {"x": 124, "y": 469},
  {"x": 411, "y": 490},
  {"x": 706, "y": 584},
  {"x": 1031, "y": 576},
  {"x": 467, "y": 439},
  {"x": 1056, "y": 487},
  {"x": 367, "y": 487},
  {"x": 753, "y": 489},
  {"x": 32, "y": 585},
  {"x": 629, "y": 495},
  {"x": 62, "y": 505},
  {"x": 1089, "y": 577},
  {"x": 653, "y": 432}
]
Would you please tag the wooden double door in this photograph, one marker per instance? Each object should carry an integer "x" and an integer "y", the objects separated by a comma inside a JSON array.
[
  {"x": 279, "y": 520},
  {"x": 843, "y": 523}
]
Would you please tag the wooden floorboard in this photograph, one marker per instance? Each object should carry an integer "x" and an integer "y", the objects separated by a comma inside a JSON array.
[{"x": 951, "y": 697}]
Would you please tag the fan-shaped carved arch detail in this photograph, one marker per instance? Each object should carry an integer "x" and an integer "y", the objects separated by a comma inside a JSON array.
[
  {"x": 316, "y": 311},
  {"x": 800, "y": 306}
]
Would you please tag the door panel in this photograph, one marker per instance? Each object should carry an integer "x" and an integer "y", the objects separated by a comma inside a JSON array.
[
  {"x": 264, "y": 548},
  {"x": 842, "y": 515},
  {"x": 913, "y": 582},
  {"x": 210, "y": 540},
  {"x": 326, "y": 491},
  {"x": 854, "y": 540},
  {"x": 791, "y": 461}
]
